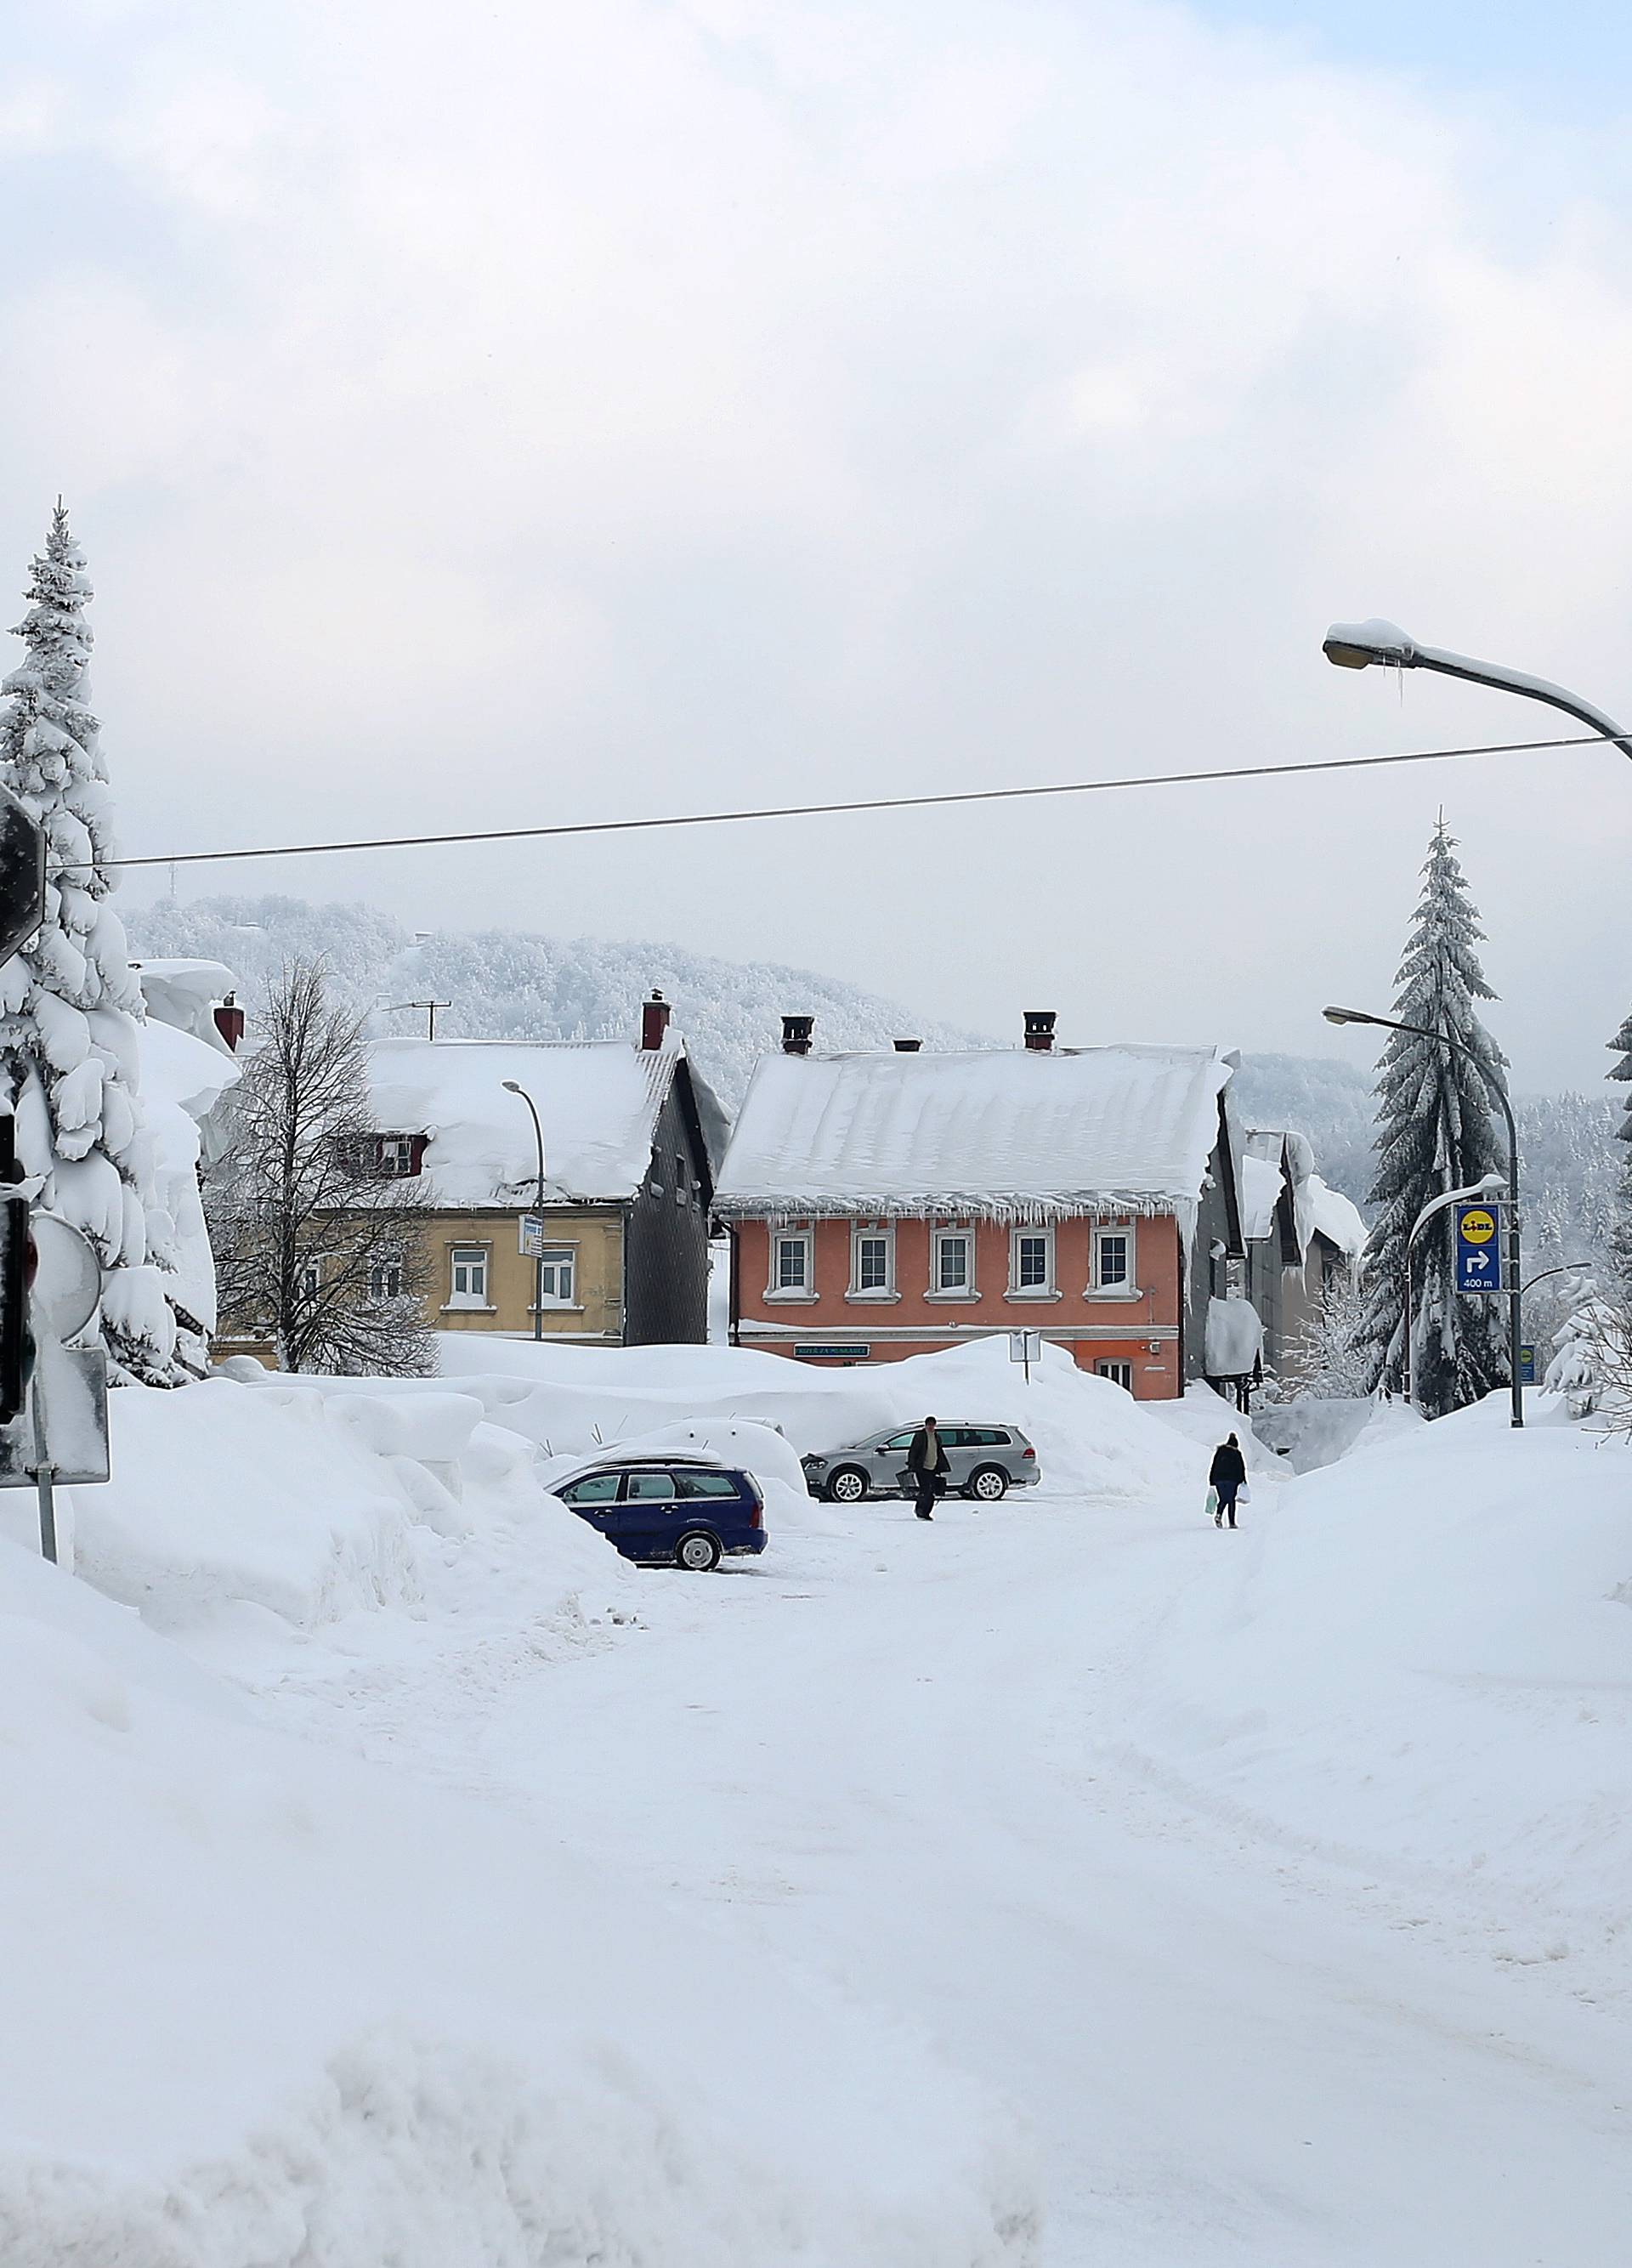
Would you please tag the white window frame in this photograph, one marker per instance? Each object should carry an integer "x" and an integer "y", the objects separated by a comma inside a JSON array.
[
  {"x": 775, "y": 1288},
  {"x": 551, "y": 1258},
  {"x": 1047, "y": 1289},
  {"x": 1128, "y": 1287},
  {"x": 310, "y": 1286},
  {"x": 1111, "y": 1368},
  {"x": 393, "y": 1156},
  {"x": 470, "y": 1301},
  {"x": 964, "y": 1232},
  {"x": 873, "y": 1232}
]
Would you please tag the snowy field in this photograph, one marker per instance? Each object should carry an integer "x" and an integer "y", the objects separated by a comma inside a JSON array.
[{"x": 1066, "y": 1883}]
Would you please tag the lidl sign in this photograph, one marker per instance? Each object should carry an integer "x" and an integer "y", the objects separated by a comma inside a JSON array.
[{"x": 1478, "y": 1248}]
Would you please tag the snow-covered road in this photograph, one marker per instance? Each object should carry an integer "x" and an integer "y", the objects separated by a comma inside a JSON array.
[{"x": 903, "y": 1758}]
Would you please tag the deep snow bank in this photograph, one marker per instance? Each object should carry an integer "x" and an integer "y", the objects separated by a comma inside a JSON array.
[
  {"x": 1092, "y": 1438},
  {"x": 307, "y": 1497},
  {"x": 264, "y": 2003},
  {"x": 1417, "y": 1658}
]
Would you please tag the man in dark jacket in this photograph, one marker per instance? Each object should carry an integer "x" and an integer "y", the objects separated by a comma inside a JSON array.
[
  {"x": 926, "y": 1461},
  {"x": 1227, "y": 1476}
]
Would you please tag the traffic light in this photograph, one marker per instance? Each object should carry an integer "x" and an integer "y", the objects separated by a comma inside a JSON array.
[
  {"x": 22, "y": 873},
  {"x": 17, "y": 1274}
]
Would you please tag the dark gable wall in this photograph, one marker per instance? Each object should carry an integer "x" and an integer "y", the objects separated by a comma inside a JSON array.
[
  {"x": 1213, "y": 1225},
  {"x": 666, "y": 1245}
]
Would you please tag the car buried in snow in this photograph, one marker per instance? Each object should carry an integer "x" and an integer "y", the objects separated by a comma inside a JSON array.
[
  {"x": 983, "y": 1462},
  {"x": 663, "y": 1508}
]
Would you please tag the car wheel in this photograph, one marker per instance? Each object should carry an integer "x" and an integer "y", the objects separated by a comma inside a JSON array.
[
  {"x": 848, "y": 1485},
  {"x": 990, "y": 1483},
  {"x": 698, "y": 1551}
]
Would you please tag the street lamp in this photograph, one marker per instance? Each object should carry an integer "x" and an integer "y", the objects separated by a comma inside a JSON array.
[
  {"x": 1460, "y": 1048},
  {"x": 511, "y": 1087},
  {"x": 1384, "y": 646}
]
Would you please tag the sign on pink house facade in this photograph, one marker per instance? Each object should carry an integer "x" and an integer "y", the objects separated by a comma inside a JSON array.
[{"x": 889, "y": 1204}]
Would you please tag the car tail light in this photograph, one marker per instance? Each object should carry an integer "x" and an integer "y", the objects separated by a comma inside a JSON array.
[
  {"x": 756, "y": 1507},
  {"x": 1028, "y": 1451}
]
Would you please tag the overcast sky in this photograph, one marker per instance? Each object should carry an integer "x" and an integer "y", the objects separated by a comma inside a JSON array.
[{"x": 538, "y": 412}]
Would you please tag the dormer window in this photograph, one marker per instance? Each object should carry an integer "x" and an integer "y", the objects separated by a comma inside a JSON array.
[{"x": 397, "y": 1157}]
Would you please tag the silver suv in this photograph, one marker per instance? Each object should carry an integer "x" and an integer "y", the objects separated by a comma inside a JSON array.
[{"x": 984, "y": 1461}]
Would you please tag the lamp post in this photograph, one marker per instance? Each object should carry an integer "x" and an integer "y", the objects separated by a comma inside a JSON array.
[
  {"x": 1436, "y": 1204},
  {"x": 511, "y": 1087},
  {"x": 1460, "y": 1048},
  {"x": 1384, "y": 646}
]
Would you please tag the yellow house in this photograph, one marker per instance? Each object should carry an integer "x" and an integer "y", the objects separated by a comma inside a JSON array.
[{"x": 621, "y": 1136}]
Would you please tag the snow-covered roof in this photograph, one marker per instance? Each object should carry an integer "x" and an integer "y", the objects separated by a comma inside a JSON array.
[
  {"x": 1334, "y": 1215},
  {"x": 1261, "y": 1183},
  {"x": 184, "y": 994},
  {"x": 598, "y": 1100},
  {"x": 1024, "y": 1133}
]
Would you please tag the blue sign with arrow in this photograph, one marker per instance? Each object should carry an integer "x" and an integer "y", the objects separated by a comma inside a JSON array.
[{"x": 1478, "y": 1248}]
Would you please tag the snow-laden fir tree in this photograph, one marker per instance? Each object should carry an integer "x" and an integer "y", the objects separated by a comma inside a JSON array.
[
  {"x": 1437, "y": 1130},
  {"x": 70, "y": 1003},
  {"x": 1621, "y": 1233}
]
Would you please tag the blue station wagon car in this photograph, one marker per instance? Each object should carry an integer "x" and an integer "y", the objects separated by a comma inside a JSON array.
[
  {"x": 984, "y": 1461},
  {"x": 674, "y": 1511}
]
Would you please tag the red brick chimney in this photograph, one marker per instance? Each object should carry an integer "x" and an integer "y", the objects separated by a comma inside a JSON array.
[
  {"x": 1040, "y": 1023},
  {"x": 796, "y": 1034},
  {"x": 230, "y": 1021},
  {"x": 654, "y": 1022}
]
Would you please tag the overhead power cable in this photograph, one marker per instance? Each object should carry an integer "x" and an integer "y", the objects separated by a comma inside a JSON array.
[{"x": 833, "y": 810}]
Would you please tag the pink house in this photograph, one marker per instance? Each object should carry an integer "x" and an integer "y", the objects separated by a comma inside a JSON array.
[{"x": 882, "y": 1205}]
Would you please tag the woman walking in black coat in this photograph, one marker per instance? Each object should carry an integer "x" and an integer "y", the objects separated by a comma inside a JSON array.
[{"x": 1227, "y": 1476}]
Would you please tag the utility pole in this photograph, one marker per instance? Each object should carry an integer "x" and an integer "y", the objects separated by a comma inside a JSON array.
[{"x": 429, "y": 1007}]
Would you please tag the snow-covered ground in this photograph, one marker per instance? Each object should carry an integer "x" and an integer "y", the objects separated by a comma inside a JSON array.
[{"x": 1066, "y": 1883}]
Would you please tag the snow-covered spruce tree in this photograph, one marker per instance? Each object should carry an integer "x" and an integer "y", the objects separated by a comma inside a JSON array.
[
  {"x": 1437, "y": 1130},
  {"x": 1329, "y": 1358},
  {"x": 1621, "y": 1231},
  {"x": 317, "y": 1251},
  {"x": 69, "y": 1001}
]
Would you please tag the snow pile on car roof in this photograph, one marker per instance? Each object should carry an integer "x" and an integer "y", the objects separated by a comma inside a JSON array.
[
  {"x": 1021, "y": 1134},
  {"x": 598, "y": 1103}
]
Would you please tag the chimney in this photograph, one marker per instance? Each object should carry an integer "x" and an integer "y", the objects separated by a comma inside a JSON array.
[
  {"x": 1040, "y": 1023},
  {"x": 654, "y": 1022},
  {"x": 908, "y": 1047},
  {"x": 796, "y": 1034},
  {"x": 230, "y": 1021}
]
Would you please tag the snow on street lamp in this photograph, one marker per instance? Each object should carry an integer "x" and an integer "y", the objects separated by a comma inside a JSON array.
[
  {"x": 1460, "y": 1048},
  {"x": 511, "y": 1087},
  {"x": 1384, "y": 646}
]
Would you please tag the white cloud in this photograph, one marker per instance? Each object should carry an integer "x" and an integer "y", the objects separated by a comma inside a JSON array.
[{"x": 557, "y": 408}]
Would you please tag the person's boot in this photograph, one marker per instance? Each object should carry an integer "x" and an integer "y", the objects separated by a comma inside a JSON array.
[
  {"x": 923, "y": 1514},
  {"x": 1218, "y": 1520}
]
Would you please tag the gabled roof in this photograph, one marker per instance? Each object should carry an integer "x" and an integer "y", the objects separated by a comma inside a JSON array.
[
  {"x": 1020, "y": 1134},
  {"x": 599, "y": 1103}
]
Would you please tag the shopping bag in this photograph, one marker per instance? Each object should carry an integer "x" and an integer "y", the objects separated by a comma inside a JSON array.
[
  {"x": 1244, "y": 1495},
  {"x": 1212, "y": 1504}
]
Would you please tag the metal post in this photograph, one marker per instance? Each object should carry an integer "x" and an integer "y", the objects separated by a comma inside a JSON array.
[
  {"x": 44, "y": 1471},
  {"x": 512, "y": 1086}
]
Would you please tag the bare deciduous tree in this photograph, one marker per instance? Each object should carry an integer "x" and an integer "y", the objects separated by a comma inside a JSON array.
[{"x": 317, "y": 1249}]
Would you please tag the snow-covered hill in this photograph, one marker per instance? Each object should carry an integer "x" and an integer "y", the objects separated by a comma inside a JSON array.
[{"x": 501, "y": 985}]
